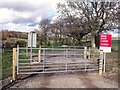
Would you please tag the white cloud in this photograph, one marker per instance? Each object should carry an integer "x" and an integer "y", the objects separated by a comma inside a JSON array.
[
  {"x": 26, "y": 14},
  {"x": 18, "y": 27},
  {"x": 38, "y": 19},
  {"x": 6, "y": 15},
  {"x": 9, "y": 15}
]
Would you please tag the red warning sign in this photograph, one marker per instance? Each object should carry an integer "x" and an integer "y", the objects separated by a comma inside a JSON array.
[{"x": 105, "y": 40}]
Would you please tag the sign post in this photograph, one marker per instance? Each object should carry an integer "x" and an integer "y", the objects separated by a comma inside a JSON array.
[
  {"x": 31, "y": 42},
  {"x": 105, "y": 45},
  {"x": 32, "y": 39}
]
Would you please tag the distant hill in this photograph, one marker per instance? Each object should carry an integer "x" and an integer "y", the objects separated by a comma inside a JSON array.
[{"x": 10, "y": 38}]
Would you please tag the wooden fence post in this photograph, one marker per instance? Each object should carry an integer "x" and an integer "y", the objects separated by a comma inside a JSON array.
[
  {"x": 39, "y": 54},
  {"x": 14, "y": 63},
  {"x": 85, "y": 52},
  {"x": 101, "y": 63}
]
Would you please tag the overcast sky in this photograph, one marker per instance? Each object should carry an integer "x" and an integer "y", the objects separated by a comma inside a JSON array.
[{"x": 25, "y": 15}]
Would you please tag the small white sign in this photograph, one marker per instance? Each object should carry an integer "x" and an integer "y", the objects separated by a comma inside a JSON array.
[
  {"x": 105, "y": 49},
  {"x": 29, "y": 39},
  {"x": 32, "y": 39}
]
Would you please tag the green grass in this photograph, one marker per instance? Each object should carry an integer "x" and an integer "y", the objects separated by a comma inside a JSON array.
[
  {"x": 115, "y": 44},
  {"x": 112, "y": 55},
  {"x": 7, "y": 59},
  {"x": 7, "y": 72},
  {"x": 112, "y": 62},
  {"x": 6, "y": 64},
  {"x": 24, "y": 57},
  {"x": 112, "y": 58}
]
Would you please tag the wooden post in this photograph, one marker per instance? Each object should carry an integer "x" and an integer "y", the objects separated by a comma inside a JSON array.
[
  {"x": 101, "y": 63},
  {"x": 39, "y": 54},
  {"x": 85, "y": 52},
  {"x": 14, "y": 63}
]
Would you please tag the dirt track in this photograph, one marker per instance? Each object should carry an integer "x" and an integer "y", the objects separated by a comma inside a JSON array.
[{"x": 67, "y": 80}]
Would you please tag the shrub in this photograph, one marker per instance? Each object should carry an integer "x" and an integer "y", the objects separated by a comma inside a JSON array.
[{"x": 21, "y": 43}]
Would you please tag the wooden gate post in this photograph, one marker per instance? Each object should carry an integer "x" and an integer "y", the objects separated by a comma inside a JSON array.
[
  {"x": 85, "y": 52},
  {"x": 101, "y": 63},
  {"x": 14, "y": 64},
  {"x": 39, "y": 54}
]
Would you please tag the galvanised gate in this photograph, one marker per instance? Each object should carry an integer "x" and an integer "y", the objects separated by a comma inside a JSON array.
[{"x": 56, "y": 59}]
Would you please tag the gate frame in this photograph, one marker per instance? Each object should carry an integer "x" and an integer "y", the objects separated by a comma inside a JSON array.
[{"x": 15, "y": 61}]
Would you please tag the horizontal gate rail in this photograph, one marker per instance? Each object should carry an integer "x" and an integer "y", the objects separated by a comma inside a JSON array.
[
  {"x": 56, "y": 71},
  {"x": 57, "y": 59}
]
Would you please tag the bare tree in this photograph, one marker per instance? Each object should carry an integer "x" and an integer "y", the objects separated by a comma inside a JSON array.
[
  {"x": 44, "y": 29},
  {"x": 88, "y": 17}
]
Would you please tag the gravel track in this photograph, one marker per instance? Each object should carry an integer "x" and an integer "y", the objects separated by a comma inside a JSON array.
[{"x": 67, "y": 80}]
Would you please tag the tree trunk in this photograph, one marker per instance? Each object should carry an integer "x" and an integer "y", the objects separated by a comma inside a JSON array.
[
  {"x": 97, "y": 40},
  {"x": 79, "y": 42},
  {"x": 62, "y": 42},
  {"x": 48, "y": 41},
  {"x": 55, "y": 40},
  {"x": 93, "y": 41}
]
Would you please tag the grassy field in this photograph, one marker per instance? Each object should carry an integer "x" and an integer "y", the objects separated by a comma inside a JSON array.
[
  {"x": 112, "y": 61},
  {"x": 112, "y": 66}
]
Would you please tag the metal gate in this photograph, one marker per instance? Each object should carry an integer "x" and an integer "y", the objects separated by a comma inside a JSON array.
[{"x": 57, "y": 59}]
